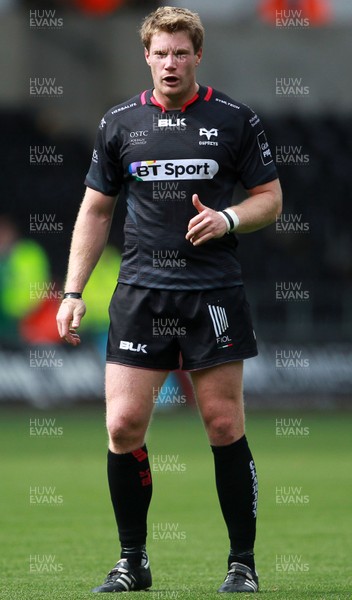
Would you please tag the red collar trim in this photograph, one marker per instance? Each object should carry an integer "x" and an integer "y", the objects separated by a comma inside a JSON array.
[
  {"x": 144, "y": 97},
  {"x": 183, "y": 108},
  {"x": 195, "y": 97},
  {"x": 163, "y": 109},
  {"x": 147, "y": 96},
  {"x": 209, "y": 94}
]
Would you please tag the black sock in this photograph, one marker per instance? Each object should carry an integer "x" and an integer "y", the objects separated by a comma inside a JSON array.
[
  {"x": 237, "y": 487},
  {"x": 245, "y": 558},
  {"x": 130, "y": 484}
]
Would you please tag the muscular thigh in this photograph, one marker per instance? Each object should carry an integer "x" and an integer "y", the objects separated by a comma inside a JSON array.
[
  {"x": 131, "y": 394},
  {"x": 220, "y": 401}
]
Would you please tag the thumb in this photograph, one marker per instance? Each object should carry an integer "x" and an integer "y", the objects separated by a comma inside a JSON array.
[{"x": 197, "y": 203}]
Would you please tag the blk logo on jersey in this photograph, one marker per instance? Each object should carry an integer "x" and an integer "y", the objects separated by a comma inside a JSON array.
[
  {"x": 159, "y": 170},
  {"x": 170, "y": 122},
  {"x": 220, "y": 324}
]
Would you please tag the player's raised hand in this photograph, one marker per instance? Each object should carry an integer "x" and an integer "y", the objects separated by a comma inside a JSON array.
[
  {"x": 69, "y": 318},
  {"x": 207, "y": 224}
]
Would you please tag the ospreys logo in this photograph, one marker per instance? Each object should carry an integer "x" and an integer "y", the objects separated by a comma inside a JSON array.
[
  {"x": 208, "y": 134},
  {"x": 159, "y": 170}
]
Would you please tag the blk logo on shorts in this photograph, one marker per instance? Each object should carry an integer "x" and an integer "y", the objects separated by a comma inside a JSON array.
[{"x": 129, "y": 346}]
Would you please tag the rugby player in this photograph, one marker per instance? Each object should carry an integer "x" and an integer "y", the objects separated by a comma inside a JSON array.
[{"x": 178, "y": 150}]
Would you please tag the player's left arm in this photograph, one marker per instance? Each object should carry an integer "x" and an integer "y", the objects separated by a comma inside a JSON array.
[{"x": 261, "y": 208}]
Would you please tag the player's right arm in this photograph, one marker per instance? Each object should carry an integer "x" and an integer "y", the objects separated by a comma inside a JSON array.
[{"x": 89, "y": 238}]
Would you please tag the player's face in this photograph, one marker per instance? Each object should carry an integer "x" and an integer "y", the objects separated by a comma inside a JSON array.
[{"x": 173, "y": 63}]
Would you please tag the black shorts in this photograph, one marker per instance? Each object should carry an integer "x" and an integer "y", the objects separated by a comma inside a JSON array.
[{"x": 169, "y": 329}]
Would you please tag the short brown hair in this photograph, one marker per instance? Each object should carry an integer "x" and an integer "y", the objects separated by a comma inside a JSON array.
[{"x": 171, "y": 19}]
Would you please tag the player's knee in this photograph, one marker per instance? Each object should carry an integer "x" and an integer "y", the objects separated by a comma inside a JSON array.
[
  {"x": 221, "y": 430},
  {"x": 125, "y": 432}
]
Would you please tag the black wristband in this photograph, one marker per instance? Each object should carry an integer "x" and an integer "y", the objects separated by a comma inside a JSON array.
[
  {"x": 72, "y": 295},
  {"x": 230, "y": 220}
]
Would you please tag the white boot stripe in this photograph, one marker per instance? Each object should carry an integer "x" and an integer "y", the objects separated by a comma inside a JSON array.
[
  {"x": 124, "y": 585},
  {"x": 251, "y": 584}
]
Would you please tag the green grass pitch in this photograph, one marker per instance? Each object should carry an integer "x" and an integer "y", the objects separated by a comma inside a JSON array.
[{"x": 57, "y": 528}]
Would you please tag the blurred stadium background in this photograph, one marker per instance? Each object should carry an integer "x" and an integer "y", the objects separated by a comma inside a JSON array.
[{"x": 63, "y": 65}]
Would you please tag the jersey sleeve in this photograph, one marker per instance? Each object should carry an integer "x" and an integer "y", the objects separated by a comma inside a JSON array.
[
  {"x": 105, "y": 172},
  {"x": 255, "y": 162}
]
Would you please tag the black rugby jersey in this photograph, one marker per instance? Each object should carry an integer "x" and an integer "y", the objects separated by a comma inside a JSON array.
[{"x": 161, "y": 158}]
